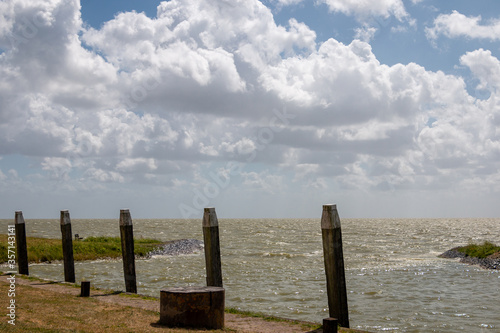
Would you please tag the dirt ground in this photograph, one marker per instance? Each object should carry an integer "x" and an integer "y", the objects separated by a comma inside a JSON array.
[{"x": 45, "y": 306}]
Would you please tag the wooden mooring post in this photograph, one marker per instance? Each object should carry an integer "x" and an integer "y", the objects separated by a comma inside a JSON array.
[
  {"x": 67, "y": 247},
  {"x": 334, "y": 265},
  {"x": 21, "y": 245},
  {"x": 212, "y": 248},
  {"x": 127, "y": 241}
]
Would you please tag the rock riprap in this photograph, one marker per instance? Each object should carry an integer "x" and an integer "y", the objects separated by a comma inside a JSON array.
[
  {"x": 490, "y": 262},
  {"x": 179, "y": 247}
]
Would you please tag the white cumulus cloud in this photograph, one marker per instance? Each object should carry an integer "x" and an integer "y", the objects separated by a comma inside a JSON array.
[
  {"x": 164, "y": 100},
  {"x": 457, "y": 25}
]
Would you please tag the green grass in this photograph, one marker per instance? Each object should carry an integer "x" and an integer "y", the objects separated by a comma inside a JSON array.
[
  {"x": 480, "y": 251},
  {"x": 91, "y": 248}
]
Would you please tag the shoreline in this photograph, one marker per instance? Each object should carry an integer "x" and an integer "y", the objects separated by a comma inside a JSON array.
[
  {"x": 490, "y": 262},
  {"x": 49, "y": 250}
]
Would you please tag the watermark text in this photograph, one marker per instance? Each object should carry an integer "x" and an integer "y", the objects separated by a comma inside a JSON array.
[{"x": 11, "y": 257}]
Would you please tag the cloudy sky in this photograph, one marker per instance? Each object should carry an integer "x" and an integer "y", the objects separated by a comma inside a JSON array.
[{"x": 387, "y": 108}]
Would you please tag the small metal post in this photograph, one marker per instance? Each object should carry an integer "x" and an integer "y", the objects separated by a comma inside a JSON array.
[{"x": 85, "y": 289}]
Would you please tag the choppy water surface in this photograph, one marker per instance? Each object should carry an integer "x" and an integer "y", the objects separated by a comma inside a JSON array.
[{"x": 395, "y": 280}]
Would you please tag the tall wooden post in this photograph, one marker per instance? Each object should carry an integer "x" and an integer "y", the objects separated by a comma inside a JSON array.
[
  {"x": 21, "y": 245},
  {"x": 67, "y": 247},
  {"x": 334, "y": 265},
  {"x": 127, "y": 239},
  {"x": 212, "y": 248}
]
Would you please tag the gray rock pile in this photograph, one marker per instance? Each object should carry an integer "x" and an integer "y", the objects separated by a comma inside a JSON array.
[
  {"x": 488, "y": 263},
  {"x": 178, "y": 247}
]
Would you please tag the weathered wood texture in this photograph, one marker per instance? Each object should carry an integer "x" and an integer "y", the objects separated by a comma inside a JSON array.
[
  {"x": 21, "y": 245},
  {"x": 334, "y": 265},
  {"x": 330, "y": 325},
  {"x": 127, "y": 242},
  {"x": 195, "y": 307},
  {"x": 212, "y": 248},
  {"x": 85, "y": 289},
  {"x": 67, "y": 247}
]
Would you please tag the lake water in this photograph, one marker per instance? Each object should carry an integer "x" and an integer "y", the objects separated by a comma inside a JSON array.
[{"x": 395, "y": 282}]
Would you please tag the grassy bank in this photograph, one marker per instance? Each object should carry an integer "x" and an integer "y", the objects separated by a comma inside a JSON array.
[
  {"x": 480, "y": 250},
  {"x": 91, "y": 248}
]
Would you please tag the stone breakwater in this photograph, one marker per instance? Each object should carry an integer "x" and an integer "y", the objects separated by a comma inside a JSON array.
[
  {"x": 491, "y": 262},
  {"x": 178, "y": 247}
]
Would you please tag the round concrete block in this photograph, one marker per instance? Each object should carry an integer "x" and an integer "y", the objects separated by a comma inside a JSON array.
[{"x": 196, "y": 307}]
